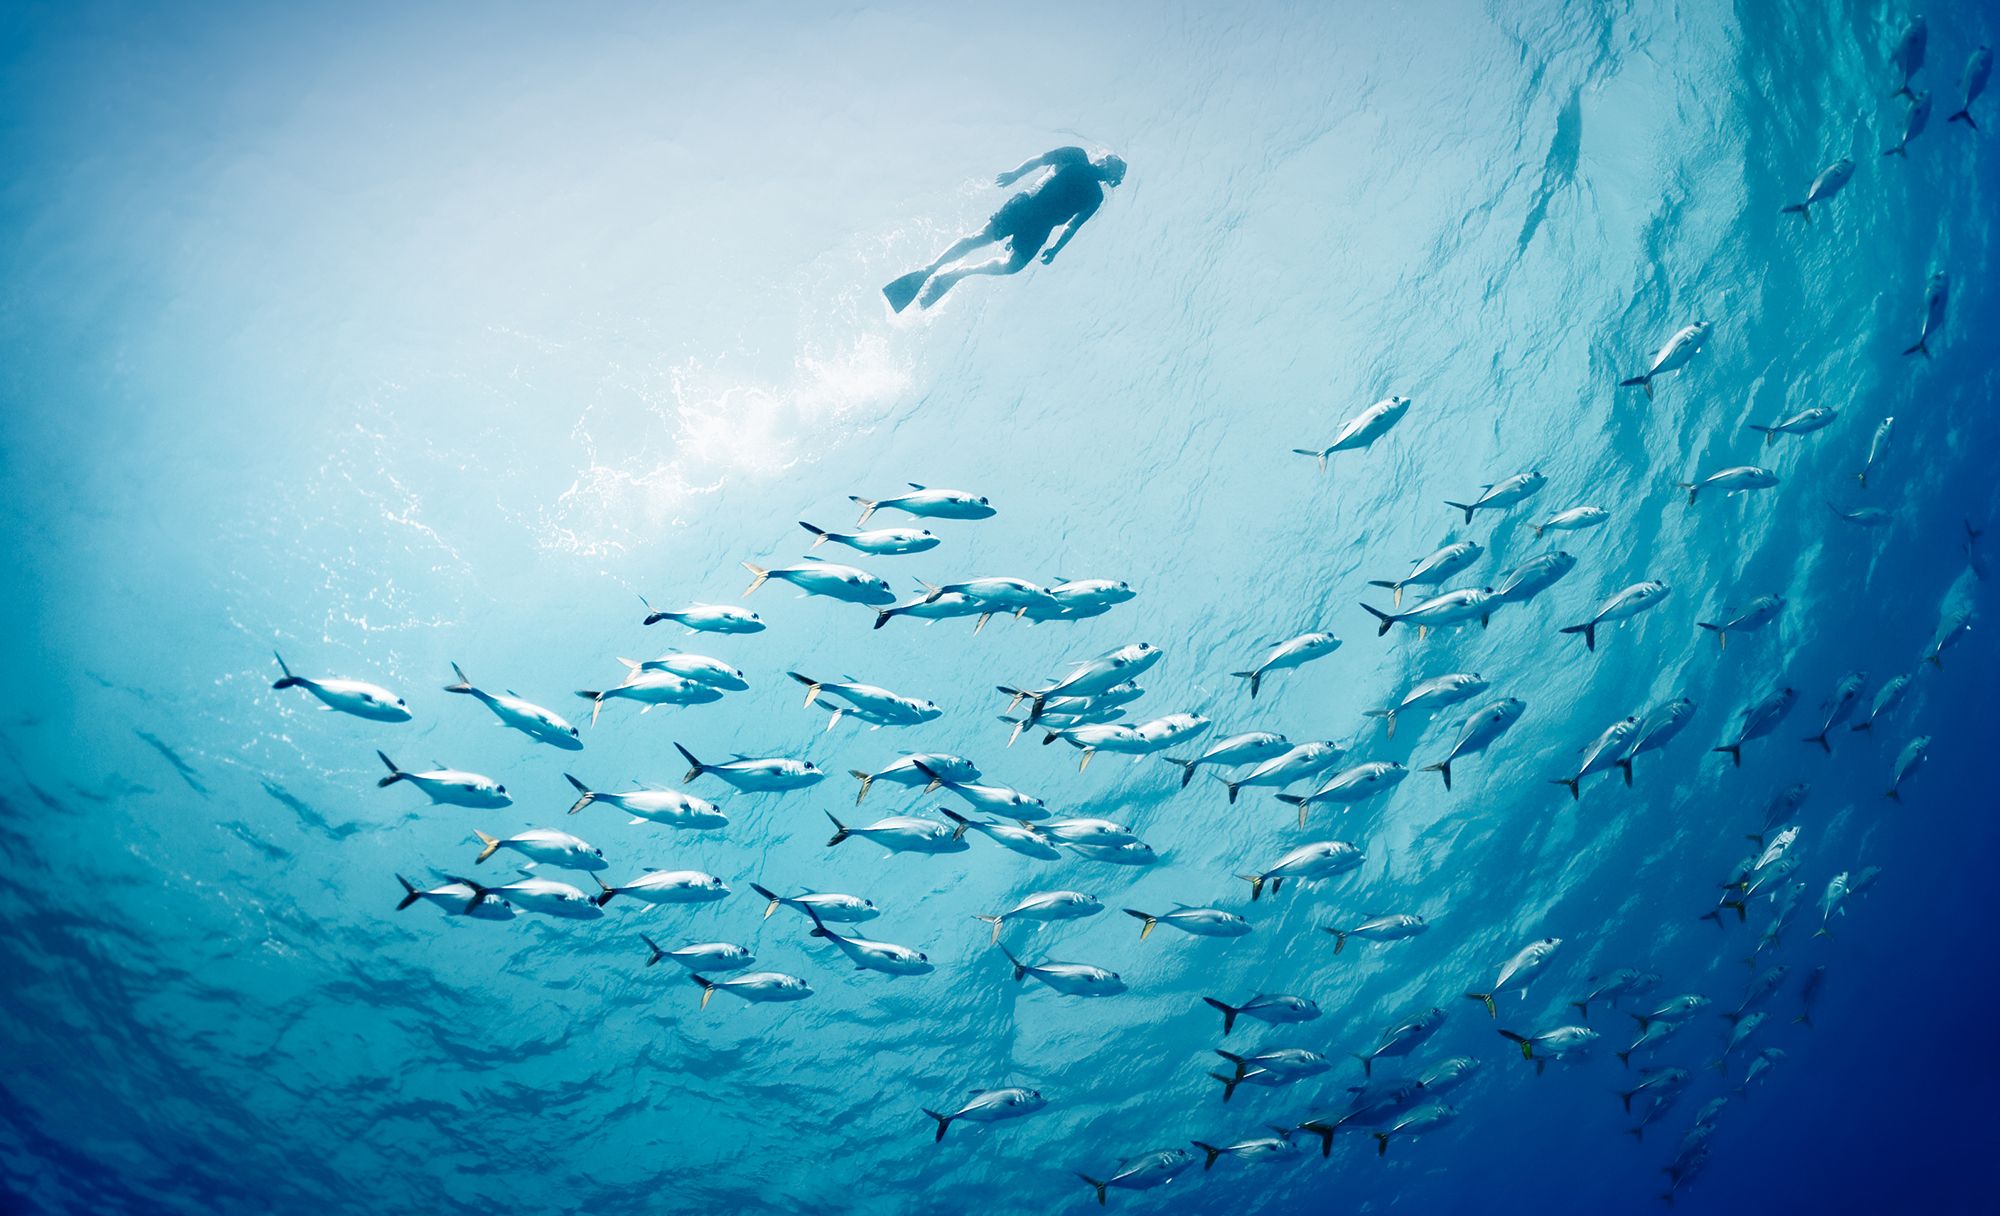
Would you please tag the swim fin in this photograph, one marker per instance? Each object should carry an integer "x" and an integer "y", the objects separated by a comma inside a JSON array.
[{"x": 900, "y": 292}]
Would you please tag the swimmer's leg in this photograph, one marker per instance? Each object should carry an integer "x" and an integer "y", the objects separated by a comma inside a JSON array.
[
  {"x": 903, "y": 290},
  {"x": 1016, "y": 261}
]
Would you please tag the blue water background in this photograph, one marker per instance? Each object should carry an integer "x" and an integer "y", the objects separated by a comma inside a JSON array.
[{"x": 395, "y": 335}]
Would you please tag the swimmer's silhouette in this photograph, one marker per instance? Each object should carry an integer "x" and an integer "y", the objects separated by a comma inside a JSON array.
[{"x": 1070, "y": 194}]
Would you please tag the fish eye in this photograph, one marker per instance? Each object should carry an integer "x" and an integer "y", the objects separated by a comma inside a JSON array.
[
  {"x": 572, "y": 732},
  {"x": 922, "y": 957},
  {"x": 503, "y": 789},
  {"x": 982, "y": 500}
]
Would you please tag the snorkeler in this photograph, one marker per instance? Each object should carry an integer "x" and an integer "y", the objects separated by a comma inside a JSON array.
[{"x": 1065, "y": 198}]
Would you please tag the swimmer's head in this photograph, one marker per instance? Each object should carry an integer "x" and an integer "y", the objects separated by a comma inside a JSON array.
[{"x": 1111, "y": 168}]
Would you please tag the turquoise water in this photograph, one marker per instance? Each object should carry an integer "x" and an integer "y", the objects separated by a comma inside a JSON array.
[{"x": 387, "y": 338}]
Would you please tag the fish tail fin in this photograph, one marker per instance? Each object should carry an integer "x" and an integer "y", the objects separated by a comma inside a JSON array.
[
  {"x": 840, "y": 831},
  {"x": 1485, "y": 998},
  {"x": 1233, "y": 787},
  {"x": 1325, "y": 1133},
  {"x": 1589, "y": 631},
  {"x": 1253, "y": 676},
  {"x": 820, "y": 535},
  {"x": 1820, "y": 739},
  {"x": 492, "y": 845},
  {"x": 1625, "y": 767},
  {"x": 1625, "y": 1096},
  {"x": 695, "y": 767},
  {"x": 410, "y": 893},
  {"x": 584, "y": 794},
  {"x": 395, "y": 774},
  {"x": 1741, "y": 914},
  {"x": 1733, "y": 750},
  {"x": 958, "y": 833},
  {"x": 883, "y": 616},
  {"x": 1624, "y": 1057},
  {"x": 1367, "y": 1063},
  {"x": 596, "y": 699},
  {"x": 1582, "y": 1009},
  {"x": 1020, "y": 968},
  {"x": 479, "y": 894},
  {"x": 1800, "y": 210},
  {"x": 1381, "y": 1144},
  {"x": 812, "y": 686},
  {"x": 1964, "y": 116},
  {"x": 287, "y": 680},
  {"x": 604, "y": 893},
  {"x": 768, "y": 894},
  {"x": 1212, "y": 1151},
  {"x": 707, "y": 986},
  {"x": 1898, "y": 150},
  {"x": 463, "y": 684},
  {"x": 1644, "y": 382},
  {"x": 1094, "y": 1185},
  {"x": 1145, "y": 930},
  {"x": 1442, "y": 768},
  {"x": 1892, "y": 795},
  {"x": 1339, "y": 939},
  {"x": 1256, "y": 882},
  {"x": 1229, "y": 1084},
  {"x": 1637, "y": 1133},
  {"x": 758, "y": 575},
  {"x": 1573, "y": 784},
  {"x": 1382, "y": 619},
  {"x": 1461, "y": 506},
  {"x": 867, "y": 505},
  {"x": 943, "y": 1122},
  {"x": 1526, "y": 1044},
  {"x": 1923, "y": 347},
  {"x": 1693, "y": 488},
  {"x": 1187, "y": 768},
  {"x": 1229, "y": 1013},
  {"x": 866, "y": 779},
  {"x": 995, "y": 921},
  {"x": 931, "y": 778},
  {"x": 655, "y": 954}
]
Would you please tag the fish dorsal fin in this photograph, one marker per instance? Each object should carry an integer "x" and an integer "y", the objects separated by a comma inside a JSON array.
[
  {"x": 913, "y": 485},
  {"x": 512, "y": 693},
  {"x": 1178, "y": 904},
  {"x": 525, "y": 871}
]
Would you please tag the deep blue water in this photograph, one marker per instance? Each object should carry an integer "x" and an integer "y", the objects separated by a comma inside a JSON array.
[{"x": 388, "y": 336}]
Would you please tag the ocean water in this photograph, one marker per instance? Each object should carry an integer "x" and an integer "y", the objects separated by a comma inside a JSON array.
[{"x": 391, "y": 336}]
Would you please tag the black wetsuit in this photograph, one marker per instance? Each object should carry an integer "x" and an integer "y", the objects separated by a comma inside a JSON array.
[{"x": 1027, "y": 219}]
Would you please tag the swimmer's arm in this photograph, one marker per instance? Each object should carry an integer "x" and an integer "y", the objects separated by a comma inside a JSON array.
[
  {"x": 1069, "y": 229},
  {"x": 1048, "y": 160}
]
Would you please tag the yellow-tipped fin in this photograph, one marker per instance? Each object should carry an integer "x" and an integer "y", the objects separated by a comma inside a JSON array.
[{"x": 490, "y": 843}]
